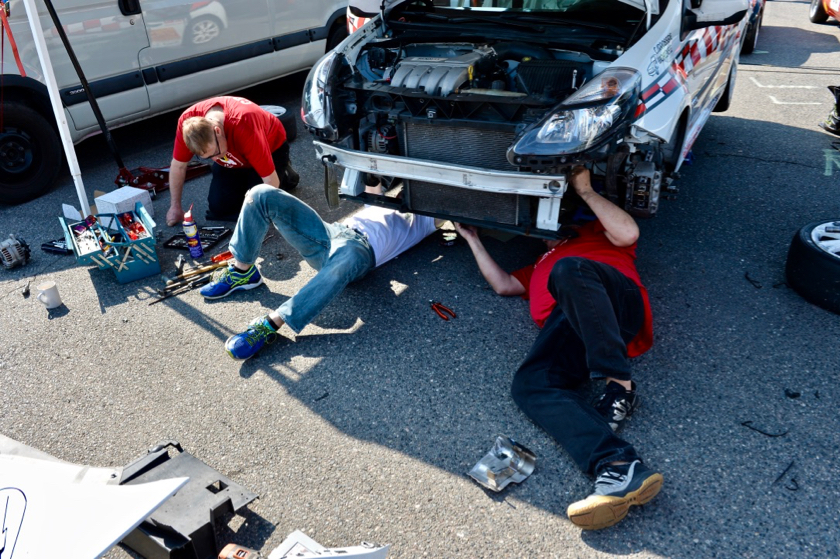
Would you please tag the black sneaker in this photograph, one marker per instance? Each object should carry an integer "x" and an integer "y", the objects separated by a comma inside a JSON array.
[
  {"x": 616, "y": 490},
  {"x": 617, "y": 404},
  {"x": 291, "y": 177}
]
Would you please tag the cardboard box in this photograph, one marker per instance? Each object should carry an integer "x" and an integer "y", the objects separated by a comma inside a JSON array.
[
  {"x": 124, "y": 243},
  {"x": 123, "y": 200}
]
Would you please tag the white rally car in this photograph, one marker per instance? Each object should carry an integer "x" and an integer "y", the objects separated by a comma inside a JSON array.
[{"x": 479, "y": 108}]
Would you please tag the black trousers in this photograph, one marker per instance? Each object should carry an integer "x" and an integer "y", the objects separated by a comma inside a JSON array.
[
  {"x": 228, "y": 186},
  {"x": 599, "y": 310}
]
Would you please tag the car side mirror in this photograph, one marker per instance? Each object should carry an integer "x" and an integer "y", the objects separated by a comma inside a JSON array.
[{"x": 707, "y": 13}]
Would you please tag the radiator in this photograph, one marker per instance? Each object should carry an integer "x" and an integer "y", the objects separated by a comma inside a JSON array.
[{"x": 460, "y": 145}]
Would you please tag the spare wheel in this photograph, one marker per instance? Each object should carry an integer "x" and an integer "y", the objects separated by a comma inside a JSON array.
[{"x": 813, "y": 264}]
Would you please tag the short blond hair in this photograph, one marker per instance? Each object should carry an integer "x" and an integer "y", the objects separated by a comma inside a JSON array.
[{"x": 198, "y": 134}]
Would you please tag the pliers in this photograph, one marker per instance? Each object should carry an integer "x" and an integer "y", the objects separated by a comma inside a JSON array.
[{"x": 439, "y": 308}]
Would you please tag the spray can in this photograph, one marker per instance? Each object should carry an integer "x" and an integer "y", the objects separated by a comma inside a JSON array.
[{"x": 191, "y": 232}]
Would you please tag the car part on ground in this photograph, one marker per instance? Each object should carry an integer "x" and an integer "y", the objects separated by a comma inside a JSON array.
[
  {"x": 479, "y": 114},
  {"x": 14, "y": 252},
  {"x": 507, "y": 462},
  {"x": 286, "y": 117},
  {"x": 813, "y": 264}
]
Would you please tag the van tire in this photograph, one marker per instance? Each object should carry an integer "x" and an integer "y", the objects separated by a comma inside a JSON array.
[
  {"x": 813, "y": 271},
  {"x": 31, "y": 157}
]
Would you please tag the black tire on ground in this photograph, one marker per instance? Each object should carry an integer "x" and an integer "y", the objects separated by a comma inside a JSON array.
[
  {"x": 817, "y": 13},
  {"x": 751, "y": 38},
  {"x": 31, "y": 157},
  {"x": 726, "y": 99},
  {"x": 286, "y": 117},
  {"x": 813, "y": 267}
]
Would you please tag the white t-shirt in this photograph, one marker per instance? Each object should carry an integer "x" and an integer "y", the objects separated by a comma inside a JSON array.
[{"x": 390, "y": 232}]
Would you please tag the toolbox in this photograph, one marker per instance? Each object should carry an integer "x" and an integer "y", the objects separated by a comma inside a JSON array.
[{"x": 123, "y": 243}]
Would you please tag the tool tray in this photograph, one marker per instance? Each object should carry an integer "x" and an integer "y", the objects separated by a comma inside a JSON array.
[{"x": 123, "y": 243}]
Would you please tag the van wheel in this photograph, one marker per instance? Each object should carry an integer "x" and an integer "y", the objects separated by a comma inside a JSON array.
[
  {"x": 30, "y": 154},
  {"x": 726, "y": 99},
  {"x": 813, "y": 264},
  {"x": 751, "y": 38},
  {"x": 817, "y": 13},
  {"x": 338, "y": 34}
]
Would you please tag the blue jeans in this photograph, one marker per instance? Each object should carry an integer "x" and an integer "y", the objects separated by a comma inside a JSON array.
[
  {"x": 599, "y": 310},
  {"x": 340, "y": 254}
]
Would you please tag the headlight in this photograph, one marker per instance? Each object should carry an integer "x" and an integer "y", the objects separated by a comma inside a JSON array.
[
  {"x": 315, "y": 108},
  {"x": 585, "y": 117}
]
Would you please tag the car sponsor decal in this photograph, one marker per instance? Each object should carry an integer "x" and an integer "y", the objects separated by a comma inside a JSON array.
[
  {"x": 670, "y": 80},
  {"x": 695, "y": 49}
]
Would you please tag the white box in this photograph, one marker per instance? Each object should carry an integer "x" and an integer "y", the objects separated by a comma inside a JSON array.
[{"x": 123, "y": 200}]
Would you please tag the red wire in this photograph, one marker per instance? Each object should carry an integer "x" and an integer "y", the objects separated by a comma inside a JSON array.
[{"x": 2, "y": 67}]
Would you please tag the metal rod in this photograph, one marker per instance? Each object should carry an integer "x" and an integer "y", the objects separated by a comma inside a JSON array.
[{"x": 55, "y": 101}]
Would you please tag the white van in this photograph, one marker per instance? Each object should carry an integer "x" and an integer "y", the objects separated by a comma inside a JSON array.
[{"x": 143, "y": 58}]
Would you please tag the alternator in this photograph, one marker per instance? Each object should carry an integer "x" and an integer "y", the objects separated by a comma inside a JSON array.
[{"x": 14, "y": 252}]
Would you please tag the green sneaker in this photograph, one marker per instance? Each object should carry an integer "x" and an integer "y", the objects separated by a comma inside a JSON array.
[{"x": 245, "y": 345}]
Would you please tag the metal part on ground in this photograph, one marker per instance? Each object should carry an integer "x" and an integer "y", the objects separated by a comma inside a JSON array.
[
  {"x": 14, "y": 252},
  {"x": 507, "y": 462},
  {"x": 301, "y": 546}
]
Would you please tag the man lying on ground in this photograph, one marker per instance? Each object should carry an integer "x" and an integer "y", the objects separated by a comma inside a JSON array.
[
  {"x": 340, "y": 252},
  {"x": 586, "y": 296}
]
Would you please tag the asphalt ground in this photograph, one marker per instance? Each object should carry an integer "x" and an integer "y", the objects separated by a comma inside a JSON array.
[{"x": 363, "y": 426}]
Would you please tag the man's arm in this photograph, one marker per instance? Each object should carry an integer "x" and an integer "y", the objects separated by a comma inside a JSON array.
[
  {"x": 177, "y": 174},
  {"x": 272, "y": 180},
  {"x": 621, "y": 228},
  {"x": 501, "y": 281}
]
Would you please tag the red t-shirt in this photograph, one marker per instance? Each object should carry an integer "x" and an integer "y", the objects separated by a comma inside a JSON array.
[
  {"x": 593, "y": 244},
  {"x": 251, "y": 134}
]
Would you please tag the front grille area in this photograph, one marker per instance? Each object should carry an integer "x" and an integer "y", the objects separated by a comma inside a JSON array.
[
  {"x": 461, "y": 145},
  {"x": 462, "y": 202}
]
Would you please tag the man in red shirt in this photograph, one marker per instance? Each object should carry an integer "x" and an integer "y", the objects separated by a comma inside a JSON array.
[
  {"x": 246, "y": 143},
  {"x": 594, "y": 314}
]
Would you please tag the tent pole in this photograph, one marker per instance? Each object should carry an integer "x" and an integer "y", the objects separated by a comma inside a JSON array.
[{"x": 55, "y": 101}]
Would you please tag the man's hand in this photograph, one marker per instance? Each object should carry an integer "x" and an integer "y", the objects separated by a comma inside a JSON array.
[
  {"x": 174, "y": 216},
  {"x": 581, "y": 182},
  {"x": 468, "y": 232}
]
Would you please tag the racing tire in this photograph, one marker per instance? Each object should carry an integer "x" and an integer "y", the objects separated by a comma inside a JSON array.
[
  {"x": 813, "y": 264},
  {"x": 31, "y": 157},
  {"x": 817, "y": 13},
  {"x": 726, "y": 99},
  {"x": 751, "y": 38},
  {"x": 287, "y": 118}
]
